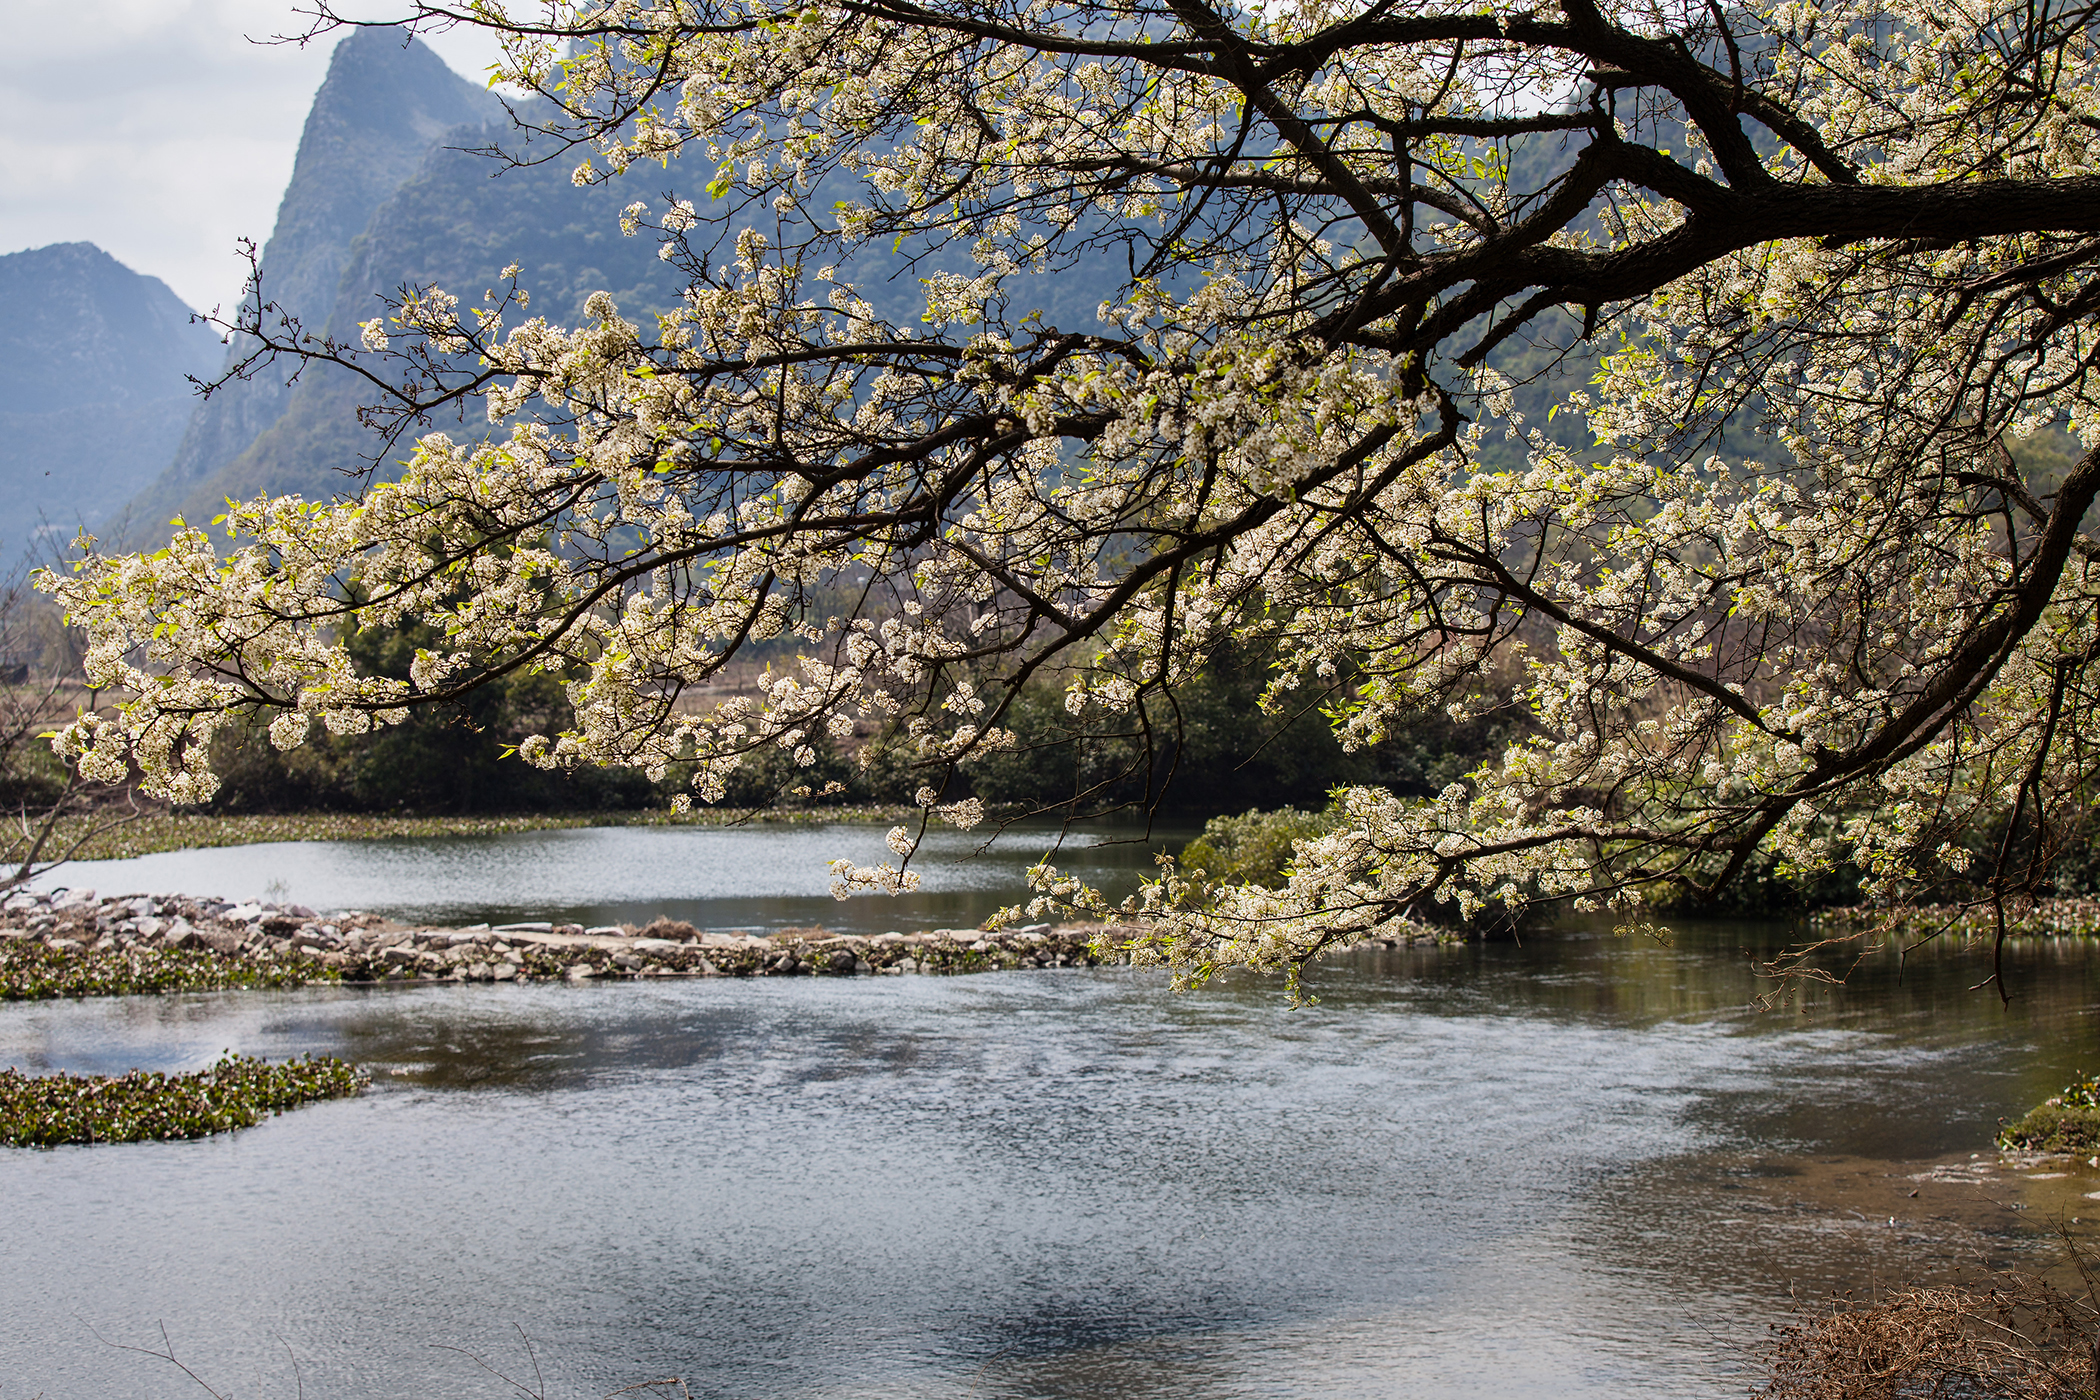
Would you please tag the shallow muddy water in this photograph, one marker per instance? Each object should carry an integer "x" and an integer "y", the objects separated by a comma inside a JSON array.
[{"x": 1577, "y": 1166}]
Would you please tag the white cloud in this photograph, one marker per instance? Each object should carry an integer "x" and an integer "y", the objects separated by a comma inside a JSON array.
[{"x": 161, "y": 130}]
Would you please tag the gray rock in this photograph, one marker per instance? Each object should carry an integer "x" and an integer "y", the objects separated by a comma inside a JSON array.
[{"x": 221, "y": 940}]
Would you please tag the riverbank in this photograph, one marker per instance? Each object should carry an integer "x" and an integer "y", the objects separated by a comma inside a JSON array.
[{"x": 73, "y": 943}]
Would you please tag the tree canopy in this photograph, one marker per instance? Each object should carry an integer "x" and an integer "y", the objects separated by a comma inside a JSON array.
[{"x": 1811, "y": 276}]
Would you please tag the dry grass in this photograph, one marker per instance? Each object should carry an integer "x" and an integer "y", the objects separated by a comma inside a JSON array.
[{"x": 2016, "y": 1336}]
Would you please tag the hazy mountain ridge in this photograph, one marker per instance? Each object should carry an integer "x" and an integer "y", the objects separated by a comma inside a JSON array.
[
  {"x": 93, "y": 394},
  {"x": 450, "y": 225}
]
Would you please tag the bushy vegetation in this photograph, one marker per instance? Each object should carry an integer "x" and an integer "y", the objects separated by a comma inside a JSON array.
[
  {"x": 445, "y": 760},
  {"x": 1211, "y": 749},
  {"x": 238, "y": 1091},
  {"x": 1253, "y": 848}
]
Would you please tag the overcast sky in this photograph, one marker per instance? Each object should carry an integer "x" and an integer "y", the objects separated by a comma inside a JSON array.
[{"x": 156, "y": 129}]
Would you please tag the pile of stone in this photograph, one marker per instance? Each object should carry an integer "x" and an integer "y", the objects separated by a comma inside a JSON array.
[{"x": 357, "y": 947}]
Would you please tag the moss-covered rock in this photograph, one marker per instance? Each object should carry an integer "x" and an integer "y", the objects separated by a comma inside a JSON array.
[{"x": 2066, "y": 1122}]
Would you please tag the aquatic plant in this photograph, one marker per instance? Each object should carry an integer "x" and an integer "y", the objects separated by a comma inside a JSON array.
[
  {"x": 238, "y": 1091},
  {"x": 33, "y": 970},
  {"x": 2024, "y": 918}
]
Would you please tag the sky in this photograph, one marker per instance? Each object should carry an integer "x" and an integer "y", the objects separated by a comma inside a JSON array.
[{"x": 159, "y": 131}]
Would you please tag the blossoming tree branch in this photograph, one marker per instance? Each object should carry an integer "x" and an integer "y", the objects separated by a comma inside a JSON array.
[{"x": 1823, "y": 268}]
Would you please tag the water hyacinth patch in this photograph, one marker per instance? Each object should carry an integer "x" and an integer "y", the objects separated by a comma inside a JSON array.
[
  {"x": 2024, "y": 918},
  {"x": 237, "y": 1092},
  {"x": 33, "y": 970}
]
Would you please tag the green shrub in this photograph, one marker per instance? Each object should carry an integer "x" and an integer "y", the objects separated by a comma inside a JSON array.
[{"x": 1253, "y": 848}]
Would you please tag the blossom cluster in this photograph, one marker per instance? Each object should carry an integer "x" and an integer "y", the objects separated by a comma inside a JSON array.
[{"x": 1790, "y": 595}]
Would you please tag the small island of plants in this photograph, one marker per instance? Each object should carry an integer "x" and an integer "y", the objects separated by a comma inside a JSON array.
[{"x": 238, "y": 1091}]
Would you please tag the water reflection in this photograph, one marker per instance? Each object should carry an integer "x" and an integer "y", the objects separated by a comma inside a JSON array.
[{"x": 1579, "y": 1165}]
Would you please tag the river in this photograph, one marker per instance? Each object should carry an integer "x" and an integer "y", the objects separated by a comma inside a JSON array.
[{"x": 1580, "y": 1165}]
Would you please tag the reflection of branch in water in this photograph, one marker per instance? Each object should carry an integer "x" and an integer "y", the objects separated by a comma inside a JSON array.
[
  {"x": 1891, "y": 926},
  {"x": 168, "y": 1356},
  {"x": 665, "y": 1384},
  {"x": 1795, "y": 965},
  {"x": 539, "y": 1392}
]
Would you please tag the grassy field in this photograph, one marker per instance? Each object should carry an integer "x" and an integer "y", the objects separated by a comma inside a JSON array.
[{"x": 110, "y": 838}]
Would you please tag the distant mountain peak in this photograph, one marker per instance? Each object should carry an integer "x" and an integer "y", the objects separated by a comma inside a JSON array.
[
  {"x": 382, "y": 107},
  {"x": 83, "y": 328},
  {"x": 92, "y": 389}
]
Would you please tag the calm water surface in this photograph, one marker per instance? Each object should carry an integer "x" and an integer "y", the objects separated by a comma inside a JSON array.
[
  {"x": 743, "y": 877},
  {"x": 1581, "y": 1166}
]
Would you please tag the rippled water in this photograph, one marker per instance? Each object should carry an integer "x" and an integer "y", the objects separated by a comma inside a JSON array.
[{"x": 1581, "y": 1166}]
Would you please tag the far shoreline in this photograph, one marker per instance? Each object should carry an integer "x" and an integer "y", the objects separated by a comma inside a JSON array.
[{"x": 156, "y": 832}]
